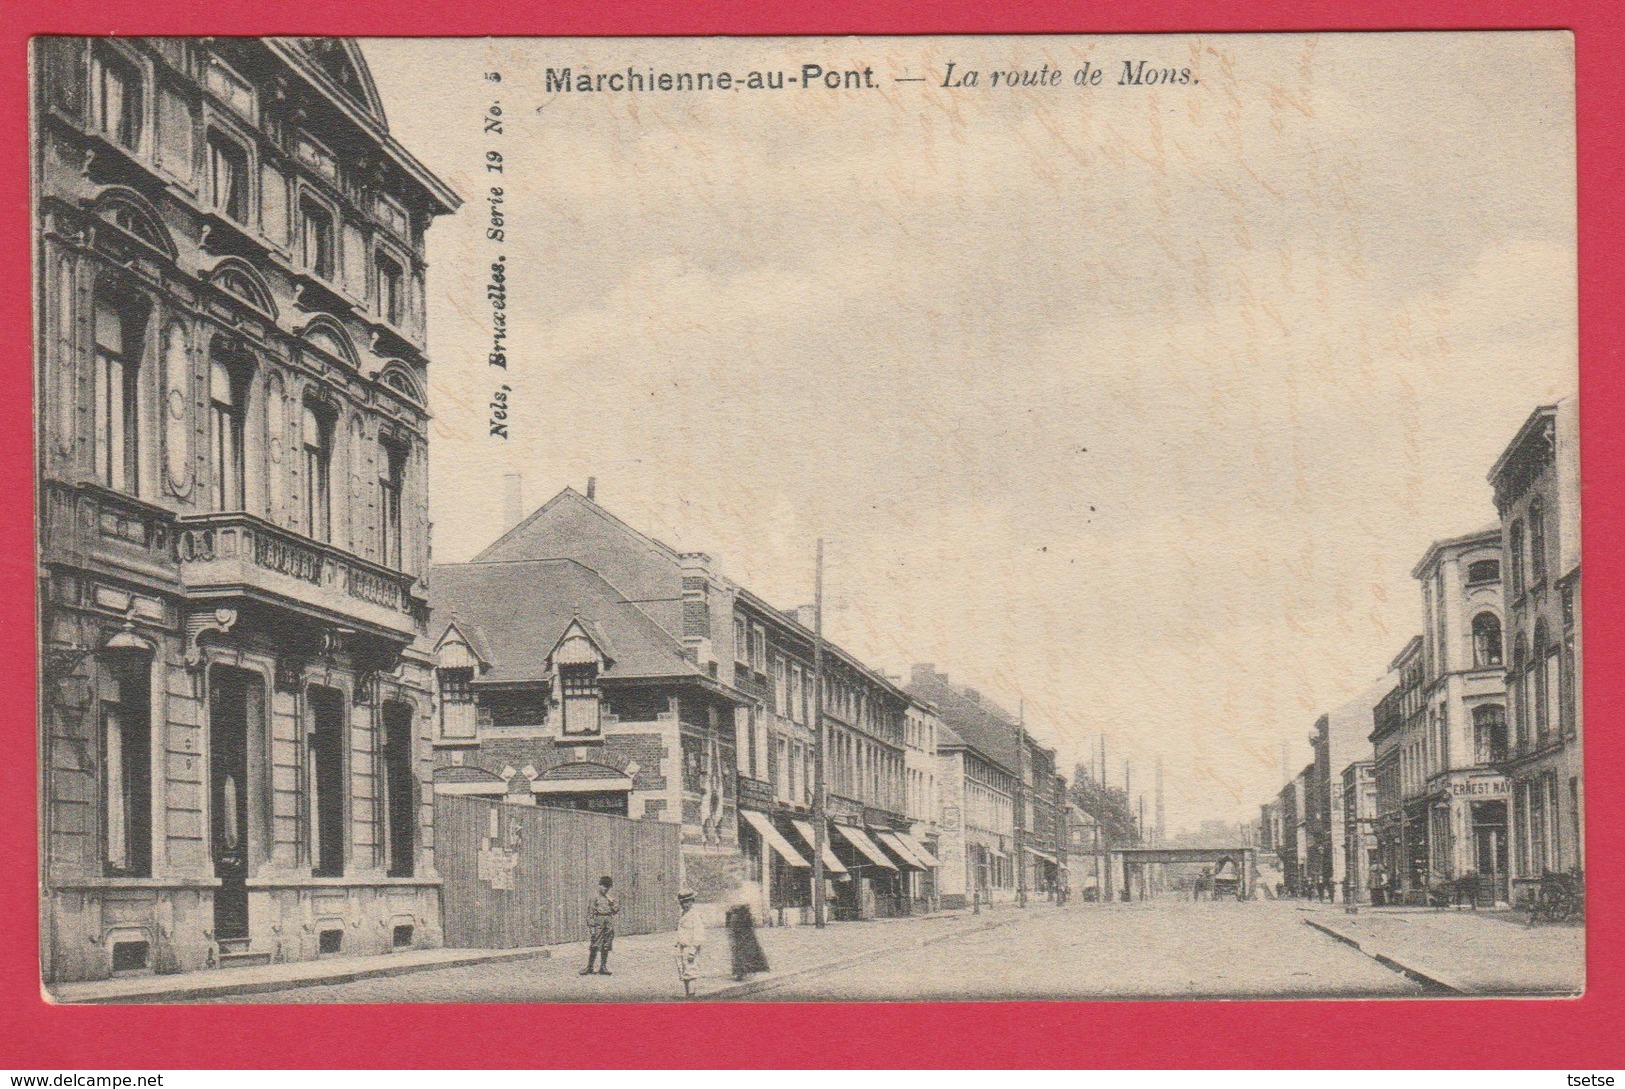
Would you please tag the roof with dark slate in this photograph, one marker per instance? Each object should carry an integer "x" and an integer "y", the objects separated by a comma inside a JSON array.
[
  {"x": 521, "y": 608},
  {"x": 978, "y": 726}
]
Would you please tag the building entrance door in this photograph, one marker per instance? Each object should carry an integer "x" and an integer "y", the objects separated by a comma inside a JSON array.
[
  {"x": 228, "y": 799},
  {"x": 1490, "y": 851}
]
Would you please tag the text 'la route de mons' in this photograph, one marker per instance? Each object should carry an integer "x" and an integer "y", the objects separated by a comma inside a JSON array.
[{"x": 815, "y": 77}]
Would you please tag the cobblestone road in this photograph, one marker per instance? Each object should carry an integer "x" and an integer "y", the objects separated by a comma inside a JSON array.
[{"x": 1156, "y": 950}]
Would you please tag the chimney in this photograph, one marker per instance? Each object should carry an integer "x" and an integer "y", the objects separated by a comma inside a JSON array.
[
  {"x": 925, "y": 673},
  {"x": 513, "y": 500},
  {"x": 592, "y": 489}
]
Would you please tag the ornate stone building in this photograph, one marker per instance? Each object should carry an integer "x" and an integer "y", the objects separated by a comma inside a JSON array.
[
  {"x": 233, "y": 530},
  {"x": 1537, "y": 494}
]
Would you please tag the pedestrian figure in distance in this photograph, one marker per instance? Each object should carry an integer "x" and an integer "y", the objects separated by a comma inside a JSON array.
[
  {"x": 690, "y": 936},
  {"x": 744, "y": 949},
  {"x": 601, "y": 927}
]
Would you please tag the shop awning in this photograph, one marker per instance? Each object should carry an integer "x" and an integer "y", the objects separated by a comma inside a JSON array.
[
  {"x": 898, "y": 848},
  {"x": 866, "y": 846},
  {"x": 769, "y": 834},
  {"x": 1047, "y": 858},
  {"x": 805, "y": 831},
  {"x": 920, "y": 850}
]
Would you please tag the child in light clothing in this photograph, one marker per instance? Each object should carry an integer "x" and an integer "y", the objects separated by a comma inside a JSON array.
[{"x": 690, "y": 936}]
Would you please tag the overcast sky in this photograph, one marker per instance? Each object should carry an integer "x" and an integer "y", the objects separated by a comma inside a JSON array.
[{"x": 1136, "y": 403}]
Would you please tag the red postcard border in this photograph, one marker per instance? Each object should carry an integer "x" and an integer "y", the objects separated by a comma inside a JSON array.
[{"x": 1404, "y": 1034}]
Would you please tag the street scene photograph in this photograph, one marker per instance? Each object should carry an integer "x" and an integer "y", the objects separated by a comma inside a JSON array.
[{"x": 863, "y": 519}]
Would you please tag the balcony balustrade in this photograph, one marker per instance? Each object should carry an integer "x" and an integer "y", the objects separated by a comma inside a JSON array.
[{"x": 237, "y": 553}]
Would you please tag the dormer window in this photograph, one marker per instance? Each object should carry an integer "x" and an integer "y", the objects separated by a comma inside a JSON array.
[{"x": 579, "y": 695}]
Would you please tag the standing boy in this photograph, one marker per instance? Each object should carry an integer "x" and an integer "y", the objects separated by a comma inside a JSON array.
[{"x": 601, "y": 928}]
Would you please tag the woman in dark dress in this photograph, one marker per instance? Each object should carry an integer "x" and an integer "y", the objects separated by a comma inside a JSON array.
[{"x": 748, "y": 957}]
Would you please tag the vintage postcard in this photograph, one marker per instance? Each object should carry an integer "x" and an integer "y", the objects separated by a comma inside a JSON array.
[{"x": 851, "y": 519}]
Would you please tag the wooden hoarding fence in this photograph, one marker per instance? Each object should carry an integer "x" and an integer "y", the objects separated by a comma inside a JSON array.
[{"x": 519, "y": 875}]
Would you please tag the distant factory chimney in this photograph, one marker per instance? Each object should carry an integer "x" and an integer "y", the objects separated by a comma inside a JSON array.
[
  {"x": 513, "y": 500},
  {"x": 592, "y": 488}
]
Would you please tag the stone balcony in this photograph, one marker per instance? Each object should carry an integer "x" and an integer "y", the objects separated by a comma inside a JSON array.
[{"x": 238, "y": 555}]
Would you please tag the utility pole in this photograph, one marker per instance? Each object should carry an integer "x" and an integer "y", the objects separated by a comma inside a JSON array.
[
  {"x": 1021, "y": 803},
  {"x": 820, "y": 785}
]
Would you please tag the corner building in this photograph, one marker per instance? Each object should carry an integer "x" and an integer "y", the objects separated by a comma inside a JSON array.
[{"x": 232, "y": 509}]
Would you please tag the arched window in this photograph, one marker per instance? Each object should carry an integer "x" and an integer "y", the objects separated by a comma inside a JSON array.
[
  {"x": 121, "y": 323},
  {"x": 317, "y": 436},
  {"x": 1486, "y": 641},
  {"x": 229, "y": 375},
  {"x": 1489, "y": 735}
]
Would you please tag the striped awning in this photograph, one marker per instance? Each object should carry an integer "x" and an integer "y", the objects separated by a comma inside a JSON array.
[
  {"x": 865, "y": 846},
  {"x": 770, "y": 835},
  {"x": 898, "y": 848},
  {"x": 920, "y": 850},
  {"x": 805, "y": 831}
]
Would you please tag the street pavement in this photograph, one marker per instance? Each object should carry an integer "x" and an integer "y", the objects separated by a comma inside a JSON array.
[
  {"x": 1163, "y": 949},
  {"x": 1470, "y": 952},
  {"x": 1156, "y": 950}
]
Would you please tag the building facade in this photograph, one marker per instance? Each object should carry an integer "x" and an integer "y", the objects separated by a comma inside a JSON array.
[
  {"x": 1359, "y": 831},
  {"x": 922, "y": 797},
  {"x": 985, "y": 756},
  {"x": 233, "y": 530},
  {"x": 1464, "y": 727},
  {"x": 978, "y": 825},
  {"x": 553, "y": 689},
  {"x": 1537, "y": 495},
  {"x": 1398, "y": 738}
]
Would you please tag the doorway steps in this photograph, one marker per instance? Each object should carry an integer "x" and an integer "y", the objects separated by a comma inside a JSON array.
[{"x": 235, "y": 953}]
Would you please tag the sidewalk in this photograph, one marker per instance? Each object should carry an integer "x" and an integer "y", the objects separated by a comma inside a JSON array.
[
  {"x": 1465, "y": 952},
  {"x": 643, "y": 968},
  {"x": 192, "y": 986}
]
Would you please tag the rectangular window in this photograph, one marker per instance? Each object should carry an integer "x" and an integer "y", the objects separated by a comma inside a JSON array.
[
  {"x": 400, "y": 790},
  {"x": 758, "y": 649},
  {"x": 116, "y": 107},
  {"x": 391, "y": 480},
  {"x": 1537, "y": 546},
  {"x": 316, "y": 238},
  {"x": 228, "y": 177},
  {"x": 125, "y": 714},
  {"x": 318, "y": 441},
  {"x": 226, "y": 424},
  {"x": 741, "y": 642},
  {"x": 457, "y": 712},
  {"x": 393, "y": 217},
  {"x": 1554, "y": 691},
  {"x": 326, "y": 745},
  {"x": 579, "y": 689},
  {"x": 1570, "y": 702},
  {"x": 752, "y": 758},
  {"x": 391, "y": 291},
  {"x": 1515, "y": 547},
  {"x": 117, "y": 395}
]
